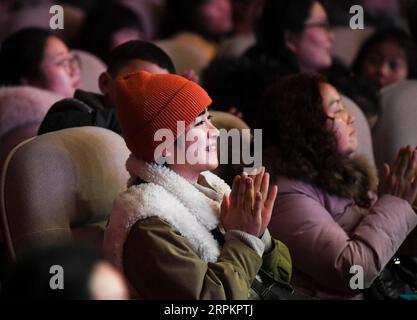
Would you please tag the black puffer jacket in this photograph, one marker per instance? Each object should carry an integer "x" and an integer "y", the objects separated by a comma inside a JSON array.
[{"x": 85, "y": 109}]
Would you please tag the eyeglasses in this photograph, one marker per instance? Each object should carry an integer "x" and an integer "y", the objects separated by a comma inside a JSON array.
[
  {"x": 322, "y": 25},
  {"x": 68, "y": 63},
  {"x": 342, "y": 115}
]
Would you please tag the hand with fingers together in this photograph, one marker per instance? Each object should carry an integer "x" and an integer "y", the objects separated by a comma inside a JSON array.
[
  {"x": 400, "y": 179},
  {"x": 249, "y": 206}
]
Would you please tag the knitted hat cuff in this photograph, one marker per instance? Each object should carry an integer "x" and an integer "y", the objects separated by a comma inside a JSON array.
[{"x": 194, "y": 101}]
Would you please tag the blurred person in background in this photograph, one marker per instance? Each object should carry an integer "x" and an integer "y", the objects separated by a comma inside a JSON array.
[
  {"x": 86, "y": 275},
  {"x": 294, "y": 35},
  {"x": 90, "y": 109},
  {"x": 108, "y": 25},
  {"x": 201, "y": 23},
  {"x": 245, "y": 16},
  {"x": 388, "y": 56},
  {"x": 37, "y": 57}
]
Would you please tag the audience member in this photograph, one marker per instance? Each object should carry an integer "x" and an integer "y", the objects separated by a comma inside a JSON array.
[
  {"x": 175, "y": 248},
  {"x": 37, "y": 57},
  {"x": 387, "y": 57},
  {"x": 200, "y": 23},
  {"x": 327, "y": 212},
  {"x": 294, "y": 34},
  {"x": 90, "y": 109},
  {"x": 107, "y": 26}
]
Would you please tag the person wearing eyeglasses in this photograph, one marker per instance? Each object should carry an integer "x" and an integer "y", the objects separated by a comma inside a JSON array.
[
  {"x": 39, "y": 58},
  {"x": 98, "y": 110},
  {"x": 329, "y": 211},
  {"x": 294, "y": 34}
]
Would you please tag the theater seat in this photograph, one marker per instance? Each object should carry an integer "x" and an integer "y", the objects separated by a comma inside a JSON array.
[
  {"x": 61, "y": 185},
  {"x": 397, "y": 123},
  {"x": 22, "y": 109},
  {"x": 185, "y": 56},
  {"x": 91, "y": 68},
  {"x": 348, "y": 42}
]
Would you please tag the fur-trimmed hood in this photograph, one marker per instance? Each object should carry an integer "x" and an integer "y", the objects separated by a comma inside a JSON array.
[{"x": 171, "y": 198}]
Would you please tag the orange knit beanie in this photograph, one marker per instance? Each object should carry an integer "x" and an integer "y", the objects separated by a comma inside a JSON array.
[{"x": 148, "y": 102}]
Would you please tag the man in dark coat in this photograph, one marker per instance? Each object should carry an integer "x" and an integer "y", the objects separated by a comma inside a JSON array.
[{"x": 91, "y": 109}]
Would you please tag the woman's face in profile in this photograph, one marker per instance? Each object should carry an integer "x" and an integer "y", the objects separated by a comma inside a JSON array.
[
  {"x": 339, "y": 120},
  {"x": 60, "y": 69},
  {"x": 313, "y": 47},
  {"x": 200, "y": 146}
]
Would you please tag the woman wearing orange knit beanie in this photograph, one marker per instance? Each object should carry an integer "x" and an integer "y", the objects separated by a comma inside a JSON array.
[{"x": 179, "y": 231}]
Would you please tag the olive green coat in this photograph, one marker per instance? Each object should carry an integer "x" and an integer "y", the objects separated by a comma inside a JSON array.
[
  {"x": 161, "y": 235},
  {"x": 161, "y": 264}
]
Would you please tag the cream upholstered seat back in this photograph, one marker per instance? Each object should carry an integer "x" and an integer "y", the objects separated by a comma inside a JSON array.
[
  {"x": 61, "y": 185},
  {"x": 91, "y": 67},
  {"x": 397, "y": 125},
  {"x": 22, "y": 109}
]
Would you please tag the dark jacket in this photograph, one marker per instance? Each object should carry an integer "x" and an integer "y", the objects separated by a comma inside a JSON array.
[{"x": 85, "y": 109}]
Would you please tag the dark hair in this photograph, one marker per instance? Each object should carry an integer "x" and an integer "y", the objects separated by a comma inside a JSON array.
[
  {"x": 142, "y": 50},
  {"x": 392, "y": 34},
  {"x": 278, "y": 18},
  {"x": 104, "y": 19},
  {"x": 361, "y": 91},
  {"x": 411, "y": 10},
  {"x": 181, "y": 15},
  {"x": 21, "y": 55},
  {"x": 239, "y": 83},
  {"x": 30, "y": 277},
  {"x": 297, "y": 143}
]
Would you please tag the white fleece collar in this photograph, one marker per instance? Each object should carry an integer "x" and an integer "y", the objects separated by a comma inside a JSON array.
[
  {"x": 204, "y": 209},
  {"x": 171, "y": 198}
]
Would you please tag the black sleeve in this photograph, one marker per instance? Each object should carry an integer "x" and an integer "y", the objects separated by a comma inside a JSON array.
[{"x": 67, "y": 113}]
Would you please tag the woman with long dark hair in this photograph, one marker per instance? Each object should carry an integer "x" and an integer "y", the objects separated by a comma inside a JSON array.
[
  {"x": 37, "y": 57},
  {"x": 327, "y": 211},
  {"x": 294, "y": 34}
]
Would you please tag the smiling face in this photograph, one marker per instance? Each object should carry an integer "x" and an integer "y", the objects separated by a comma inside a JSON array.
[
  {"x": 60, "y": 70},
  {"x": 339, "y": 120},
  {"x": 215, "y": 16},
  {"x": 314, "y": 45},
  {"x": 199, "y": 148},
  {"x": 386, "y": 63}
]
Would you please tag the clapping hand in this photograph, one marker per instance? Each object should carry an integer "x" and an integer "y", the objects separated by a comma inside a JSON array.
[
  {"x": 400, "y": 180},
  {"x": 249, "y": 206}
]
